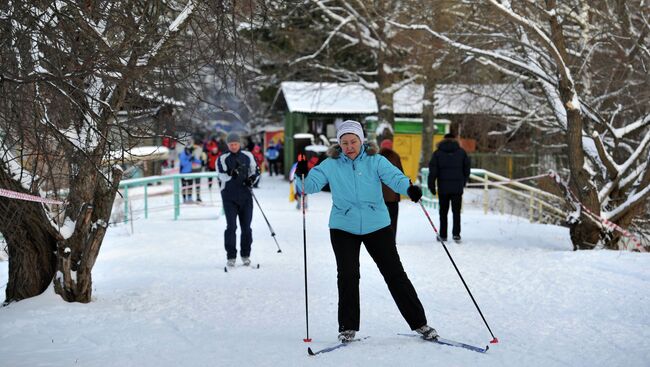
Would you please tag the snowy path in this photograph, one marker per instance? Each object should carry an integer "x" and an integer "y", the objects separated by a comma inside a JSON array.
[{"x": 161, "y": 297}]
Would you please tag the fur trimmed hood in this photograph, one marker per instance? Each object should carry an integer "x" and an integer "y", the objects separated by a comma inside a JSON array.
[{"x": 334, "y": 151}]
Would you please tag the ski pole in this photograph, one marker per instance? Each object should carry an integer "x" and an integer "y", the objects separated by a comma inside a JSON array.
[
  {"x": 304, "y": 247},
  {"x": 494, "y": 338},
  {"x": 267, "y": 221}
]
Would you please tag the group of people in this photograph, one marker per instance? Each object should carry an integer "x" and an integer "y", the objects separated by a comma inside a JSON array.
[
  {"x": 366, "y": 183},
  {"x": 196, "y": 157},
  {"x": 238, "y": 172}
]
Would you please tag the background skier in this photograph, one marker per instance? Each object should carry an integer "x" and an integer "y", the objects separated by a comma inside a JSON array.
[
  {"x": 237, "y": 174},
  {"x": 449, "y": 168}
]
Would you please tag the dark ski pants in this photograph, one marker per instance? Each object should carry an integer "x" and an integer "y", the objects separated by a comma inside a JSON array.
[
  {"x": 393, "y": 211},
  {"x": 274, "y": 167},
  {"x": 456, "y": 202},
  {"x": 381, "y": 247},
  {"x": 186, "y": 185},
  {"x": 243, "y": 210}
]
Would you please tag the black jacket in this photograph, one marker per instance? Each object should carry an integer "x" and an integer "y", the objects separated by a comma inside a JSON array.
[
  {"x": 450, "y": 166},
  {"x": 232, "y": 187}
]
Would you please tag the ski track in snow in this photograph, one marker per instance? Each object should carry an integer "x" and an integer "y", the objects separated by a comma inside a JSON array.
[{"x": 161, "y": 297}]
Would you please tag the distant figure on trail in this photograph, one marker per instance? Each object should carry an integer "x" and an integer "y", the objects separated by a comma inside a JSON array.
[
  {"x": 449, "y": 170},
  {"x": 273, "y": 157},
  {"x": 169, "y": 143},
  {"x": 355, "y": 173},
  {"x": 186, "y": 161},
  {"x": 259, "y": 160},
  {"x": 237, "y": 174},
  {"x": 296, "y": 180},
  {"x": 213, "y": 153},
  {"x": 391, "y": 198}
]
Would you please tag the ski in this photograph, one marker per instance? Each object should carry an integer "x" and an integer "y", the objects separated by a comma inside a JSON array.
[
  {"x": 251, "y": 266},
  {"x": 334, "y": 347},
  {"x": 443, "y": 341}
]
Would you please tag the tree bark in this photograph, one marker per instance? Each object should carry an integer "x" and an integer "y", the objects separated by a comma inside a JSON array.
[
  {"x": 31, "y": 243},
  {"x": 384, "y": 95},
  {"x": 428, "y": 127},
  {"x": 75, "y": 256},
  {"x": 585, "y": 234}
]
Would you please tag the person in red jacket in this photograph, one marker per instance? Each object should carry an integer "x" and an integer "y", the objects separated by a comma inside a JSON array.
[{"x": 213, "y": 154}]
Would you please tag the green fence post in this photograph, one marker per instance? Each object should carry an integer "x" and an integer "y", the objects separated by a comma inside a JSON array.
[
  {"x": 146, "y": 213},
  {"x": 126, "y": 204},
  {"x": 177, "y": 203}
]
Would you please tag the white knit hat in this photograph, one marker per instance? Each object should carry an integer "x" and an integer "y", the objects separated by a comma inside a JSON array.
[{"x": 349, "y": 127}]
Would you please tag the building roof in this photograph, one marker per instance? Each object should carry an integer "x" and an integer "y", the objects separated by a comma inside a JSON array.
[{"x": 450, "y": 99}]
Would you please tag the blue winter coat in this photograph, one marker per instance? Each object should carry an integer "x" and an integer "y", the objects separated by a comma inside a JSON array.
[
  {"x": 357, "y": 201},
  {"x": 185, "y": 161}
]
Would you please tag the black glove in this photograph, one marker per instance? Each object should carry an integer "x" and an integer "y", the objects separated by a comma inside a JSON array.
[
  {"x": 233, "y": 173},
  {"x": 249, "y": 181},
  {"x": 433, "y": 192},
  {"x": 415, "y": 193},
  {"x": 301, "y": 168}
]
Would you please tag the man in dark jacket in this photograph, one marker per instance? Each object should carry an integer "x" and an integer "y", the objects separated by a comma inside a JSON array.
[
  {"x": 450, "y": 167},
  {"x": 391, "y": 198},
  {"x": 237, "y": 175}
]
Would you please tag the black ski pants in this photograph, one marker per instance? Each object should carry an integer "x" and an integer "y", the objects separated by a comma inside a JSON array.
[
  {"x": 456, "y": 201},
  {"x": 382, "y": 249},
  {"x": 244, "y": 210}
]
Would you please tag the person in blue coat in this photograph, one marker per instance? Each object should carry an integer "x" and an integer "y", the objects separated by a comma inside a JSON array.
[
  {"x": 238, "y": 172},
  {"x": 355, "y": 173},
  {"x": 186, "y": 161}
]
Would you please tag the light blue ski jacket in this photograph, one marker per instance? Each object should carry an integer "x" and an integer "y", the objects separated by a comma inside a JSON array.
[{"x": 357, "y": 201}]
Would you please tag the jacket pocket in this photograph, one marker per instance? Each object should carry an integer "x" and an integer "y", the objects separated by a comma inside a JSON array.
[{"x": 340, "y": 211}]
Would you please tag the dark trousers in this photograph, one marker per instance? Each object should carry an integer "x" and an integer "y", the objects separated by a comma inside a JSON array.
[
  {"x": 274, "y": 167},
  {"x": 210, "y": 178},
  {"x": 243, "y": 210},
  {"x": 381, "y": 247},
  {"x": 393, "y": 210},
  {"x": 186, "y": 185},
  {"x": 456, "y": 201}
]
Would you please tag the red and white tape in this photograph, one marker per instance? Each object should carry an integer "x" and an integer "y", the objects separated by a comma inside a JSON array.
[
  {"x": 603, "y": 221},
  {"x": 27, "y": 197}
]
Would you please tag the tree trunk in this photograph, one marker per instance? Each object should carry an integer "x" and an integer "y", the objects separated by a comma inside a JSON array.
[
  {"x": 585, "y": 234},
  {"x": 384, "y": 96},
  {"x": 76, "y": 255},
  {"x": 31, "y": 243},
  {"x": 428, "y": 127},
  {"x": 32, "y": 262}
]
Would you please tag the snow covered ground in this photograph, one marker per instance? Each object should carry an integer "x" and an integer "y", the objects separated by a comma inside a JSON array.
[{"x": 161, "y": 297}]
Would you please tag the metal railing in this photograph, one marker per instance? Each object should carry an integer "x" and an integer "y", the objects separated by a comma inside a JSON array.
[
  {"x": 539, "y": 202},
  {"x": 145, "y": 182}
]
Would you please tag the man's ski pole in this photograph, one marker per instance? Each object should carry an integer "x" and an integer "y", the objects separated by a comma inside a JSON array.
[
  {"x": 267, "y": 221},
  {"x": 304, "y": 245},
  {"x": 494, "y": 338}
]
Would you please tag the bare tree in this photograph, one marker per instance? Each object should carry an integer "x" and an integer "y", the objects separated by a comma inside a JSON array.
[
  {"x": 71, "y": 75},
  {"x": 588, "y": 63}
]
